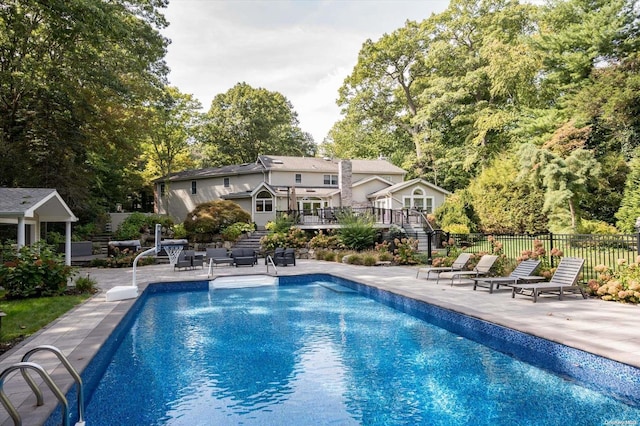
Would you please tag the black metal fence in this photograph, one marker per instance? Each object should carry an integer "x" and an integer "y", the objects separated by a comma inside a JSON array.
[{"x": 610, "y": 250}]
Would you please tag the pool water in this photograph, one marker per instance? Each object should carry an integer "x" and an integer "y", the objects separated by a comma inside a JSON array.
[{"x": 319, "y": 353}]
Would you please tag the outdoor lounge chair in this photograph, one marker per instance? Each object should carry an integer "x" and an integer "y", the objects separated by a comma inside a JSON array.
[
  {"x": 482, "y": 268},
  {"x": 564, "y": 280},
  {"x": 457, "y": 265},
  {"x": 522, "y": 273},
  {"x": 218, "y": 256}
]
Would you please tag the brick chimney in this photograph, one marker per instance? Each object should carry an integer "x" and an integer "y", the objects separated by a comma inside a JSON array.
[{"x": 345, "y": 183}]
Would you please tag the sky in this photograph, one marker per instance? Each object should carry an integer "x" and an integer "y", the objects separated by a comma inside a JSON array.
[{"x": 303, "y": 49}]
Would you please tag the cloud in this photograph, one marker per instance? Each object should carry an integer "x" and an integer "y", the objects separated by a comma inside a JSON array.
[{"x": 302, "y": 49}]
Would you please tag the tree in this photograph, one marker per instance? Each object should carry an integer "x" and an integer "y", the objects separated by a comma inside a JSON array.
[
  {"x": 382, "y": 91},
  {"x": 562, "y": 168},
  {"x": 245, "y": 122},
  {"x": 73, "y": 80},
  {"x": 172, "y": 119},
  {"x": 504, "y": 203},
  {"x": 630, "y": 206}
]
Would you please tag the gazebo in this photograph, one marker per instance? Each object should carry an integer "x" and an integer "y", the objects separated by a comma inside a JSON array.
[{"x": 30, "y": 207}]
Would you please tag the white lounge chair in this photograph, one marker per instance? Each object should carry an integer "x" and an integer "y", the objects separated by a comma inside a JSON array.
[
  {"x": 457, "y": 265},
  {"x": 522, "y": 273},
  {"x": 564, "y": 280},
  {"x": 482, "y": 268}
]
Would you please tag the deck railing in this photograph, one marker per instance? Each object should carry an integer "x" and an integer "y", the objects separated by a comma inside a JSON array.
[{"x": 330, "y": 215}]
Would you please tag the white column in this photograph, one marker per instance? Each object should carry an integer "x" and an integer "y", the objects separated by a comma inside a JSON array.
[
  {"x": 21, "y": 232},
  {"x": 67, "y": 244}
]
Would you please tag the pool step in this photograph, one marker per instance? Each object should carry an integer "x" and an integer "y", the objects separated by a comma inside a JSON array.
[{"x": 243, "y": 281}]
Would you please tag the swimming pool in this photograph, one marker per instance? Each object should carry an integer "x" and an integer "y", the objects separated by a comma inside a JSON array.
[{"x": 320, "y": 350}]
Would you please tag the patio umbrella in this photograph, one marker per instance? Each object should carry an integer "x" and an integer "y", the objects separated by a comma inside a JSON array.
[{"x": 293, "y": 203}]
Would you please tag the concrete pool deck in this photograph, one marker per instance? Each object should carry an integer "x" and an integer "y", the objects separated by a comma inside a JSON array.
[{"x": 608, "y": 329}]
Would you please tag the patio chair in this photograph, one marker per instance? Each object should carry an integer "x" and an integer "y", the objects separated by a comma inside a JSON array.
[
  {"x": 482, "y": 268},
  {"x": 218, "y": 256},
  {"x": 564, "y": 280},
  {"x": 278, "y": 252},
  {"x": 522, "y": 273},
  {"x": 457, "y": 265},
  {"x": 184, "y": 260},
  {"x": 288, "y": 257}
]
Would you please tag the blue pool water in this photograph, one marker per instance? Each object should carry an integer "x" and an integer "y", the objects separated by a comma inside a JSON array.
[{"x": 316, "y": 352}]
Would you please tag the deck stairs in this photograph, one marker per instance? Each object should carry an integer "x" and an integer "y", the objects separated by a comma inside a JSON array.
[{"x": 416, "y": 231}]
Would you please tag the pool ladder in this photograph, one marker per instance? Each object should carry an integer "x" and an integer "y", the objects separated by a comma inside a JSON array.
[
  {"x": 26, "y": 365},
  {"x": 269, "y": 260}
]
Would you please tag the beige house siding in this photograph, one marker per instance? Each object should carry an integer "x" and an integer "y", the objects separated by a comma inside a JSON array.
[
  {"x": 181, "y": 201},
  {"x": 361, "y": 192},
  {"x": 288, "y": 178}
]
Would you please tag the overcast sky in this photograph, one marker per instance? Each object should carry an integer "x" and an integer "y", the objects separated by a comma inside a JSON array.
[{"x": 303, "y": 49}]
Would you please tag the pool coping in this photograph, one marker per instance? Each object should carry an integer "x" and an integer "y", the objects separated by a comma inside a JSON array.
[{"x": 82, "y": 331}]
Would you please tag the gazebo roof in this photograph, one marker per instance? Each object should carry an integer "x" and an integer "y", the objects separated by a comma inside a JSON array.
[{"x": 42, "y": 204}]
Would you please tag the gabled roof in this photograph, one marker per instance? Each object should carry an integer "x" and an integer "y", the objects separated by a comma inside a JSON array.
[
  {"x": 399, "y": 186},
  {"x": 44, "y": 203},
  {"x": 236, "y": 169},
  {"x": 327, "y": 165},
  {"x": 372, "y": 178},
  {"x": 250, "y": 192}
]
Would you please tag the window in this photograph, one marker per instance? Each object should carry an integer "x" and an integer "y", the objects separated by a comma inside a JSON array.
[
  {"x": 419, "y": 201},
  {"x": 226, "y": 182},
  {"x": 264, "y": 202},
  {"x": 162, "y": 189},
  {"x": 194, "y": 189},
  {"x": 298, "y": 178},
  {"x": 330, "y": 179}
]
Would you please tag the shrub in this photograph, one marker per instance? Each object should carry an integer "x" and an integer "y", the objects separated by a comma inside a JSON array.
[
  {"x": 620, "y": 286},
  {"x": 282, "y": 224},
  {"x": 139, "y": 223},
  {"x": 406, "y": 251},
  {"x": 354, "y": 259},
  {"x": 295, "y": 238},
  {"x": 369, "y": 260},
  {"x": 457, "y": 228},
  {"x": 328, "y": 241},
  {"x": 34, "y": 271},
  {"x": 85, "y": 284},
  {"x": 330, "y": 256},
  {"x": 122, "y": 259},
  {"x": 209, "y": 219},
  {"x": 357, "y": 231},
  {"x": 539, "y": 252},
  {"x": 385, "y": 257},
  {"x": 233, "y": 232}
]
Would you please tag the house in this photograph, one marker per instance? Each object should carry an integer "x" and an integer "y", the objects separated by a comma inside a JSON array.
[{"x": 311, "y": 186}]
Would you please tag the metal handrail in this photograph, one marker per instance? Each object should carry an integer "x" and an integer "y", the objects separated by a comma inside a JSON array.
[
  {"x": 63, "y": 359},
  {"x": 268, "y": 260},
  {"x": 22, "y": 366}
]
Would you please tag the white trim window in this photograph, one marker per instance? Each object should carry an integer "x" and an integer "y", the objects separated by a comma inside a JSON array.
[
  {"x": 194, "y": 187},
  {"x": 331, "y": 180},
  {"x": 418, "y": 200},
  {"x": 226, "y": 182},
  {"x": 298, "y": 178},
  {"x": 264, "y": 202}
]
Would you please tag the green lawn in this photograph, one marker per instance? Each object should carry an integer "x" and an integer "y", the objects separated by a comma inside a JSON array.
[{"x": 26, "y": 316}]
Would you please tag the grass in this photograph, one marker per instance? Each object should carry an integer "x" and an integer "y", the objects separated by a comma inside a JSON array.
[{"x": 26, "y": 316}]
